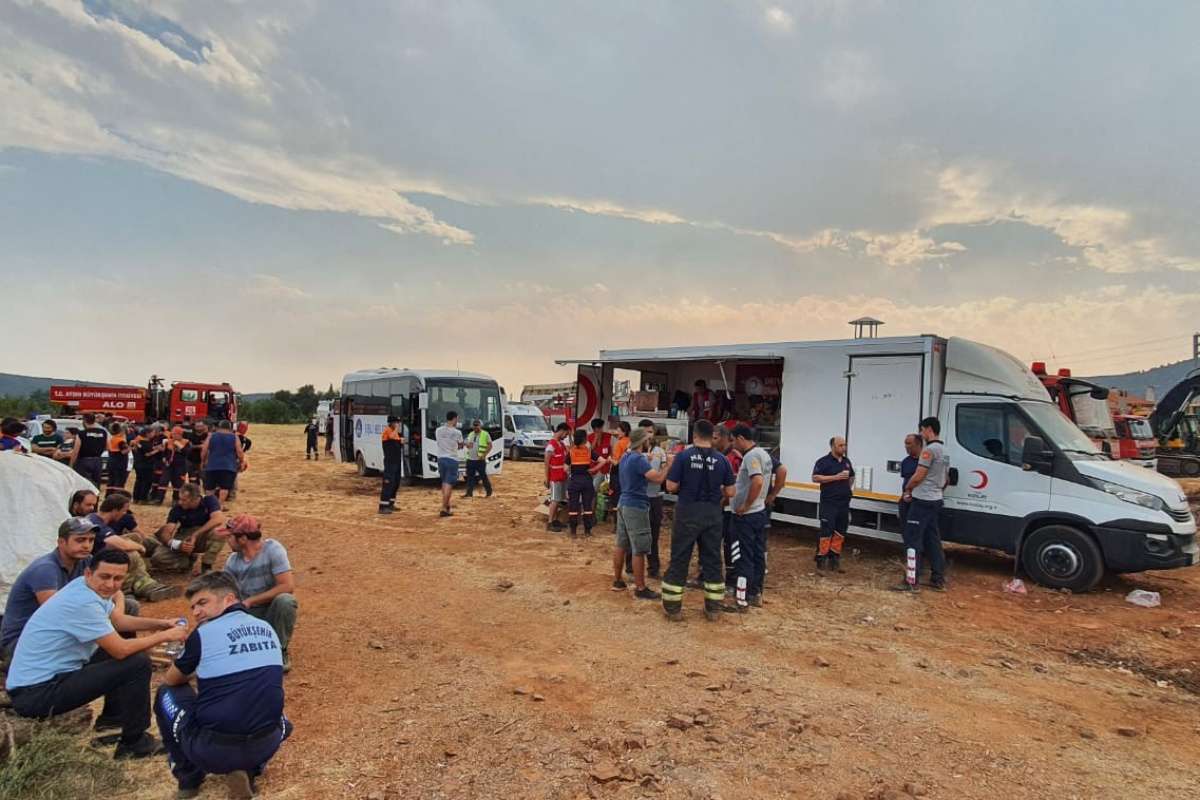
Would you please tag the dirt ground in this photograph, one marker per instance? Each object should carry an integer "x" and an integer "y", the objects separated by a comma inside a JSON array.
[{"x": 420, "y": 672}]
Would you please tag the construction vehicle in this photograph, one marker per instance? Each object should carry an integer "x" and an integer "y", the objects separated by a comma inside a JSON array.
[
  {"x": 155, "y": 403},
  {"x": 1084, "y": 403},
  {"x": 1176, "y": 424}
]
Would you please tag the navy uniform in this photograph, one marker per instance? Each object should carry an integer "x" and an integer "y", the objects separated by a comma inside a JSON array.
[
  {"x": 233, "y": 720},
  {"x": 908, "y": 468},
  {"x": 393, "y": 457},
  {"x": 702, "y": 474},
  {"x": 834, "y": 509}
]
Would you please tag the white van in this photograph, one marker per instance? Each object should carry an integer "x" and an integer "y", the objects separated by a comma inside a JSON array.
[
  {"x": 1024, "y": 479},
  {"x": 526, "y": 431}
]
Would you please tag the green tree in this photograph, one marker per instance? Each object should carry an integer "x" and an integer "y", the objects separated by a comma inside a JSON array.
[
  {"x": 305, "y": 400},
  {"x": 271, "y": 411}
]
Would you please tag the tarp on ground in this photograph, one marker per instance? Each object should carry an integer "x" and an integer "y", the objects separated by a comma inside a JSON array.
[{"x": 34, "y": 492}]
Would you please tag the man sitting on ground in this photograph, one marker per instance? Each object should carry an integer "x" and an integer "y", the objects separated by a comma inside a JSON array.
[
  {"x": 193, "y": 537},
  {"x": 265, "y": 578},
  {"x": 70, "y": 653},
  {"x": 44, "y": 576},
  {"x": 138, "y": 582},
  {"x": 232, "y": 723}
]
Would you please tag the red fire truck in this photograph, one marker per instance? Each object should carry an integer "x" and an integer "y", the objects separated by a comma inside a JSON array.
[{"x": 155, "y": 403}]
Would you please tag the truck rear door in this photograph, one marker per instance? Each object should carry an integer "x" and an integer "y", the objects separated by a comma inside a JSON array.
[{"x": 883, "y": 406}]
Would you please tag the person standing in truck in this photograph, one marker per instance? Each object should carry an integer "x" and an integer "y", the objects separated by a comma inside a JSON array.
[
  {"x": 704, "y": 403},
  {"x": 921, "y": 531},
  {"x": 834, "y": 473}
]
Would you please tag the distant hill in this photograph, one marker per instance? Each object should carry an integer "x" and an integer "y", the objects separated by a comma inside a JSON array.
[
  {"x": 24, "y": 385},
  {"x": 1160, "y": 378}
]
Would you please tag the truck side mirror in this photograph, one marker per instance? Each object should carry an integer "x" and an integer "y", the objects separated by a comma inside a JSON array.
[
  {"x": 1099, "y": 393},
  {"x": 1035, "y": 456}
]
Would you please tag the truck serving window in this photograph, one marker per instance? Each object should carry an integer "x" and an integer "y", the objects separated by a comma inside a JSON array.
[{"x": 994, "y": 432}]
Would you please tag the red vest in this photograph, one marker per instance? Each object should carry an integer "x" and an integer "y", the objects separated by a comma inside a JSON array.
[{"x": 558, "y": 461}]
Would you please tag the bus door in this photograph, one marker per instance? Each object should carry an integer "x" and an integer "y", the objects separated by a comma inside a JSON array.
[
  {"x": 414, "y": 423},
  {"x": 346, "y": 429}
]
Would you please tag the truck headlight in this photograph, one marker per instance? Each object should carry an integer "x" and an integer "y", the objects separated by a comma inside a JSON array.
[{"x": 1134, "y": 496}]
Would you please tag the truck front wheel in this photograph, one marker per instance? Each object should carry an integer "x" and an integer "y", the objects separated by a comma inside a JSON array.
[{"x": 1063, "y": 557}]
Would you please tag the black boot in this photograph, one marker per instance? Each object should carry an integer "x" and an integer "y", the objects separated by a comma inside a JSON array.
[
  {"x": 821, "y": 563},
  {"x": 835, "y": 562}
]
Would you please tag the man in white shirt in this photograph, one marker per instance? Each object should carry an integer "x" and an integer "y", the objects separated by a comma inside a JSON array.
[{"x": 449, "y": 441}]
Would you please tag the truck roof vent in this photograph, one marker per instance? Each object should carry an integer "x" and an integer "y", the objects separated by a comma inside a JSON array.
[{"x": 866, "y": 327}]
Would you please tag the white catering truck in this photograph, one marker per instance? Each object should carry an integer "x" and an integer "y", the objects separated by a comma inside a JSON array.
[
  {"x": 1024, "y": 479},
  {"x": 420, "y": 398}
]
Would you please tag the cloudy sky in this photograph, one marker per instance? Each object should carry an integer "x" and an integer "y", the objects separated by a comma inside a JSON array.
[{"x": 275, "y": 193}]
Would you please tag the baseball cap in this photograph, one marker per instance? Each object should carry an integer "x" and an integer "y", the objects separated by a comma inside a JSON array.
[
  {"x": 246, "y": 525},
  {"x": 73, "y": 526}
]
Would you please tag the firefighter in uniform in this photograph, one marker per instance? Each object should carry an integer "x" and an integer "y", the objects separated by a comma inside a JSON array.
[
  {"x": 232, "y": 723},
  {"x": 701, "y": 478},
  {"x": 393, "y": 457}
]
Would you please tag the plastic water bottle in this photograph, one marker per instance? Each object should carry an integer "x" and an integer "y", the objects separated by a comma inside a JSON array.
[
  {"x": 741, "y": 591},
  {"x": 173, "y": 649},
  {"x": 910, "y": 573}
]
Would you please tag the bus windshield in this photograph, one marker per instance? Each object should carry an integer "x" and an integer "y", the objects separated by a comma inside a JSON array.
[{"x": 471, "y": 398}]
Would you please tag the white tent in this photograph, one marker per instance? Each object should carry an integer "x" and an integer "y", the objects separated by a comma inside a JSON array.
[{"x": 34, "y": 492}]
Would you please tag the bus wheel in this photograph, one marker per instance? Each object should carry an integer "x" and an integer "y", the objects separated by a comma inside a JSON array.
[
  {"x": 360, "y": 464},
  {"x": 1063, "y": 557}
]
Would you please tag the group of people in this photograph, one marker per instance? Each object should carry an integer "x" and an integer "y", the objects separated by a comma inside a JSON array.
[
  {"x": 725, "y": 485},
  {"x": 71, "y": 624},
  {"x": 476, "y": 446}
]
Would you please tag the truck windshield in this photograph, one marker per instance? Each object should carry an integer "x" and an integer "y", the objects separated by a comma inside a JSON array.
[
  {"x": 1060, "y": 430},
  {"x": 1140, "y": 429},
  {"x": 1092, "y": 415},
  {"x": 472, "y": 399},
  {"x": 530, "y": 423}
]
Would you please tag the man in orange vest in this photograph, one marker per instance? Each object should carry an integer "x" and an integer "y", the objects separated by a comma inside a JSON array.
[{"x": 393, "y": 457}]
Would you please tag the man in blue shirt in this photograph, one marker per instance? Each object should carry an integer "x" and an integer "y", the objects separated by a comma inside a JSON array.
[
  {"x": 834, "y": 473},
  {"x": 71, "y": 653},
  {"x": 700, "y": 477},
  {"x": 44, "y": 576},
  {"x": 633, "y": 512},
  {"x": 908, "y": 468},
  {"x": 232, "y": 723}
]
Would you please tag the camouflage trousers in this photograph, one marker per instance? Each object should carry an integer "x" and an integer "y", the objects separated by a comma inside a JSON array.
[{"x": 167, "y": 559}]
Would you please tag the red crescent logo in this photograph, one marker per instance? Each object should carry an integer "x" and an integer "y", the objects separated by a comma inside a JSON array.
[
  {"x": 590, "y": 401},
  {"x": 983, "y": 479}
]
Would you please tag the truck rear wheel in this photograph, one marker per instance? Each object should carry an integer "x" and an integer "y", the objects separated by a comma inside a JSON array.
[{"x": 1063, "y": 557}]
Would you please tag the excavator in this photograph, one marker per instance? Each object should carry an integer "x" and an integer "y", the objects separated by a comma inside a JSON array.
[{"x": 1176, "y": 423}]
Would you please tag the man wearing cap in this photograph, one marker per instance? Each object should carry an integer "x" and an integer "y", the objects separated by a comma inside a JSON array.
[
  {"x": 44, "y": 576},
  {"x": 633, "y": 512},
  {"x": 265, "y": 578},
  {"x": 232, "y": 723},
  {"x": 479, "y": 444},
  {"x": 71, "y": 653},
  {"x": 393, "y": 458}
]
